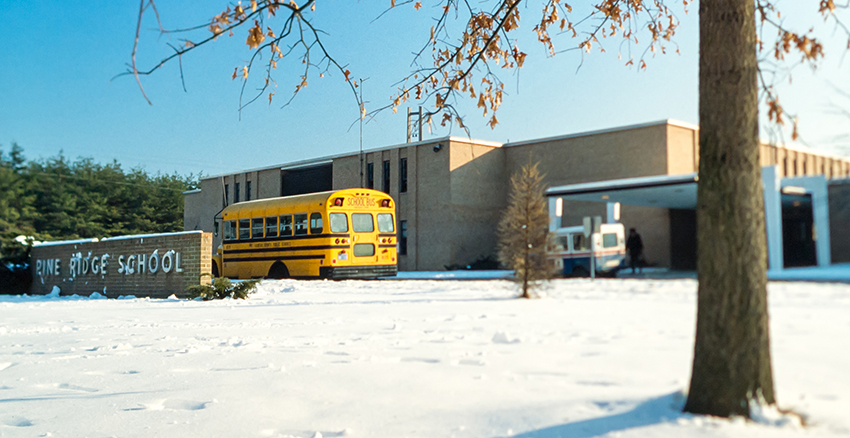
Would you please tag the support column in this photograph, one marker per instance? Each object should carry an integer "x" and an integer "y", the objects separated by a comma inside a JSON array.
[{"x": 773, "y": 217}]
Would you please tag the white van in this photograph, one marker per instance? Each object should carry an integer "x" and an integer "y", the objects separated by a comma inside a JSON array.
[{"x": 570, "y": 250}]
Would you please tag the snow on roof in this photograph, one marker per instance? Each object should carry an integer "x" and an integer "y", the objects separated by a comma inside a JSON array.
[
  {"x": 63, "y": 242},
  {"x": 144, "y": 236},
  {"x": 135, "y": 236},
  {"x": 625, "y": 183}
]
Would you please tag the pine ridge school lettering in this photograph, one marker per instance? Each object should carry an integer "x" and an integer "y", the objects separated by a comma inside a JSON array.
[{"x": 134, "y": 264}]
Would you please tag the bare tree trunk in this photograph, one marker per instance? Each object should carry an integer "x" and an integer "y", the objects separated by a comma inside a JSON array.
[{"x": 731, "y": 354}]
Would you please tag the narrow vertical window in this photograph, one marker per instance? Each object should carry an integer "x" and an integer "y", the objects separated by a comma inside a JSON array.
[
  {"x": 316, "y": 223},
  {"x": 271, "y": 226},
  {"x": 227, "y": 194},
  {"x": 402, "y": 237},
  {"x": 236, "y": 192},
  {"x": 300, "y": 224},
  {"x": 247, "y": 190},
  {"x": 370, "y": 175},
  {"x": 286, "y": 225},
  {"x": 402, "y": 175},
  {"x": 386, "y": 175},
  {"x": 257, "y": 228},
  {"x": 244, "y": 229}
]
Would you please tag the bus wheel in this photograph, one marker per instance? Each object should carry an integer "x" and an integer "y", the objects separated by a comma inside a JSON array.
[
  {"x": 214, "y": 269},
  {"x": 278, "y": 271}
]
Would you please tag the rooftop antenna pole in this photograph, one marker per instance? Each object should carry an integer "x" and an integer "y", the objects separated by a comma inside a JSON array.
[
  {"x": 408, "y": 125},
  {"x": 362, "y": 113},
  {"x": 420, "y": 124}
]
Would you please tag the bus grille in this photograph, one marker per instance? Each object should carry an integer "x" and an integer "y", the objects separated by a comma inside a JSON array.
[{"x": 344, "y": 272}]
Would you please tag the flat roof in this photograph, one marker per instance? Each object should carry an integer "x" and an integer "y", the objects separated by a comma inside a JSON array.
[
  {"x": 670, "y": 122},
  {"x": 327, "y": 159},
  {"x": 469, "y": 140},
  {"x": 668, "y": 191}
]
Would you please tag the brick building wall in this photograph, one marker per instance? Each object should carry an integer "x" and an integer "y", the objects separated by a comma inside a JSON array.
[{"x": 113, "y": 267}]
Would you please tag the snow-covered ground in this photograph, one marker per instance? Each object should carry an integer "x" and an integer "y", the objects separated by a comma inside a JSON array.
[{"x": 403, "y": 359}]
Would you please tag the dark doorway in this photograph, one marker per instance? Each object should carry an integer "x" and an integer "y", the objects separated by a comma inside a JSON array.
[
  {"x": 683, "y": 239},
  {"x": 306, "y": 180},
  {"x": 798, "y": 240}
]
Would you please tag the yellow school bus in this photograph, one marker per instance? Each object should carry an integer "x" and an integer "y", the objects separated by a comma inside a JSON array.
[{"x": 338, "y": 234}]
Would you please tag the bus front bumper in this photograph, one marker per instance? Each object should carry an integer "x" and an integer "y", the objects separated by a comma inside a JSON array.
[{"x": 345, "y": 272}]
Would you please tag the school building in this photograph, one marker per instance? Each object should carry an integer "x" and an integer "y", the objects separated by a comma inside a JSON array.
[{"x": 450, "y": 192}]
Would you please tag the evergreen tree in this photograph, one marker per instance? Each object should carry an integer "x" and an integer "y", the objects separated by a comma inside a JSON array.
[
  {"x": 524, "y": 230},
  {"x": 57, "y": 199}
]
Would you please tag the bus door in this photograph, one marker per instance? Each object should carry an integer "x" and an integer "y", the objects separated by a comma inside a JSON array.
[{"x": 364, "y": 238}]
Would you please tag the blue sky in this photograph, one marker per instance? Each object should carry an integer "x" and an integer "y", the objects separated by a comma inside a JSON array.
[{"x": 57, "y": 92}]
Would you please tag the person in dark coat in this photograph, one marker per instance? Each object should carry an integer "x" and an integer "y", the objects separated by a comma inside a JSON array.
[{"x": 634, "y": 246}]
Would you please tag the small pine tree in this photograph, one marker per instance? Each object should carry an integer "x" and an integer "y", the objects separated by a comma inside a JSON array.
[
  {"x": 524, "y": 230},
  {"x": 222, "y": 288}
]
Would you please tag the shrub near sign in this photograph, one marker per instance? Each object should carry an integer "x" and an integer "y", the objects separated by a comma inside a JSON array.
[{"x": 156, "y": 265}]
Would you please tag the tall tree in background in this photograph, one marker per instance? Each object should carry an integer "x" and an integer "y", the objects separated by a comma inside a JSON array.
[
  {"x": 56, "y": 198},
  {"x": 524, "y": 230},
  {"x": 15, "y": 204},
  {"x": 731, "y": 361}
]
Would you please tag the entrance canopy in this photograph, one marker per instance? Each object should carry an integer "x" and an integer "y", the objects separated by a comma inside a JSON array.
[{"x": 668, "y": 191}]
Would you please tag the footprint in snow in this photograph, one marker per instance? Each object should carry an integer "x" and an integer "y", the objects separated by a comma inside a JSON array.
[
  {"x": 420, "y": 359},
  {"x": 175, "y": 405},
  {"x": 71, "y": 387},
  {"x": 16, "y": 422},
  {"x": 475, "y": 362},
  {"x": 185, "y": 405}
]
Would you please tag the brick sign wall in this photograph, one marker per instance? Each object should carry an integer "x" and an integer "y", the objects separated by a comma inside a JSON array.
[{"x": 155, "y": 265}]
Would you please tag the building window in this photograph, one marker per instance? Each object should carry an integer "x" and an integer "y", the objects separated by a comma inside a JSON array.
[
  {"x": 227, "y": 194},
  {"x": 236, "y": 192},
  {"x": 402, "y": 175},
  {"x": 402, "y": 237},
  {"x": 370, "y": 175},
  {"x": 386, "y": 175},
  {"x": 247, "y": 190}
]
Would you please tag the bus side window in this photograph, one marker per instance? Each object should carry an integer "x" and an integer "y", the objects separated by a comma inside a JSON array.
[
  {"x": 257, "y": 228},
  {"x": 230, "y": 230},
  {"x": 300, "y": 224},
  {"x": 316, "y": 223},
  {"x": 362, "y": 222},
  {"x": 339, "y": 223},
  {"x": 271, "y": 226},
  {"x": 286, "y": 225},
  {"x": 244, "y": 229}
]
